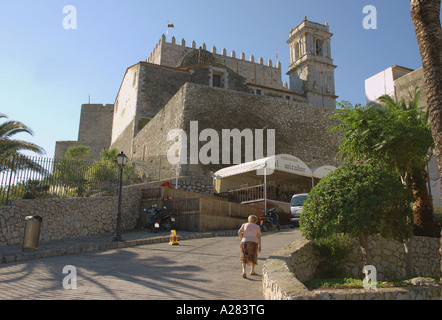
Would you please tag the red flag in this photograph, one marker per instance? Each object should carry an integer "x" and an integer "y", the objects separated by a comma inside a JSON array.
[{"x": 170, "y": 25}]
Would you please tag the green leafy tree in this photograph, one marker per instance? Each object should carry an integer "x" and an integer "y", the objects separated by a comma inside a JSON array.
[
  {"x": 128, "y": 170},
  {"x": 360, "y": 200},
  {"x": 396, "y": 136},
  {"x": 104, "y": 174}
]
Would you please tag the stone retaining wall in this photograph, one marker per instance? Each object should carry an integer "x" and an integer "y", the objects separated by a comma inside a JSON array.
[
  {"x": 285, "y": 271},
  {"x": 198, "y": 183},
  {"x": 389, "y": 258},
  {"x": 72, "y": 217}
]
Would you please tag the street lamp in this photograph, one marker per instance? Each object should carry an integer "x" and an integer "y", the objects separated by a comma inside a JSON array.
[{"x": 121, "y": 160}]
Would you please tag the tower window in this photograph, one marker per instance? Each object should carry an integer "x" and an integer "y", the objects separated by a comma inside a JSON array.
[
  {"x": 296, "y": 50},
  {"x": 319, "y": 43}
]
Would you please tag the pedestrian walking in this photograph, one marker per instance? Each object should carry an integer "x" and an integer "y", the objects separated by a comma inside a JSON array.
[{"x": 250, "y": 235}]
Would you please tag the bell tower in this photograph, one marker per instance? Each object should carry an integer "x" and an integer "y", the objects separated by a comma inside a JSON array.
[{"x": 311, "y": 69}]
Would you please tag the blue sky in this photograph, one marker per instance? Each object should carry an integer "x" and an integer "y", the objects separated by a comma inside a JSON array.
[{"x": 47, "y": 72}]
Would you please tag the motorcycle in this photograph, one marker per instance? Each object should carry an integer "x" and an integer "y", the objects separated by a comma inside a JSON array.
[
  {"x": 269, "y": 220},
  {"x": 156, "y": 220}
]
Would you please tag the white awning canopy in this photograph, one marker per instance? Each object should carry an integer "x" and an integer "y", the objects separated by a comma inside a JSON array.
[
  {"x": 242, "y": 168},
  {"x": 281, "y": 162}
]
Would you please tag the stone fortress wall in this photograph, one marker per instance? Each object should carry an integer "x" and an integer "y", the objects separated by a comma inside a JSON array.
[
  {"x": 96, "y": 127},
  {"x": 300, "y": 130}
]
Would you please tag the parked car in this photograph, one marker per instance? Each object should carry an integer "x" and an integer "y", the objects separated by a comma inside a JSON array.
[{"x": 296, "y": 207}]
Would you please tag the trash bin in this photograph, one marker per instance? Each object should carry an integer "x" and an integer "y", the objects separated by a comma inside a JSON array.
[{"x": 32, "y": 232}]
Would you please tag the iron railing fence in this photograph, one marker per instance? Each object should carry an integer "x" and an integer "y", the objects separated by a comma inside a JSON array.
[
  {"x": 24, "y": 177},
  {"x": 281, "y": 193}
]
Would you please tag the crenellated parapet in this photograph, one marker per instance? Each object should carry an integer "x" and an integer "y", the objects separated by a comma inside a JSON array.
[
  {"x": 255, "y": 71},
  {"x": 183, "y": 47}
]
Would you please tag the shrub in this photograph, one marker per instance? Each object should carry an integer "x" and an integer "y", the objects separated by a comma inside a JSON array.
[
  {"x": 333, "y": 250},
  {"x": 360, "y": 200}
]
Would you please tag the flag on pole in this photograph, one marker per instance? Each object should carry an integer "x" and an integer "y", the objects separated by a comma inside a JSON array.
[{"x": 169, "y": 25}]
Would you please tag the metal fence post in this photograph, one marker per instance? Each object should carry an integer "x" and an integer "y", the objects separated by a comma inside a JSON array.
[{"x": 10, "y": 178}]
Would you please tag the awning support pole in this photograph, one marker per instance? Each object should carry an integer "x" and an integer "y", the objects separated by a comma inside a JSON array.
[{"x": 265, "y": 190}]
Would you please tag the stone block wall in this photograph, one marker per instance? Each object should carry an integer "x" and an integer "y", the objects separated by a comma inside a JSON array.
[
  {"x": 300, "y": 130},
  {"x": 199, "y": 184},
  {"x": 156, "y": 86},
  {"x": 285, "y": 272},
  {"x": 389, "y": 258},
  {"x": 73, "y": 217},
  {"x": 96, "y": 127}
]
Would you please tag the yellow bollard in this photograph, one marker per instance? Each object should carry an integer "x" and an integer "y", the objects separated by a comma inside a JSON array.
[{"x": 173, "y": 240}]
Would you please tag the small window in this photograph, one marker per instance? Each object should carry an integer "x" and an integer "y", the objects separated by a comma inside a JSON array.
[
  {"x": 216, "y": 81},
  {"x": 287, "y": 97},
  {"x": 258, "y": 92}
]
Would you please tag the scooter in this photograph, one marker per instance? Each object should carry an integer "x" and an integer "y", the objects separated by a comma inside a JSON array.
[
  {"x": 269, "y": 220},
  {"x": 167, "y": 221},
  {"x": 157, "y": 221}
]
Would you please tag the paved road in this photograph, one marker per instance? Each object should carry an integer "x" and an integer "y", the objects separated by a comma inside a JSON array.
[{"x": 196, "y": 269}]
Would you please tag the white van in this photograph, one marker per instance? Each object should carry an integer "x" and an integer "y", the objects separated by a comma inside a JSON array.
[{"x": 296, "y": 207}]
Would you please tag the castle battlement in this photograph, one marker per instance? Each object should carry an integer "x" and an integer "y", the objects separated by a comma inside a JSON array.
[
  {"x": 255, "y": 71},
  {"x": 213, "y": 50}
]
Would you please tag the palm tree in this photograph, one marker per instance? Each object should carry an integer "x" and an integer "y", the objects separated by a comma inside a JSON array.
[
  {"x": 426, "y": 18},
  {"x": 109, "y": 154},
  {"x": 10, "y": 148},
  {"x": 414, "y": 166}
]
